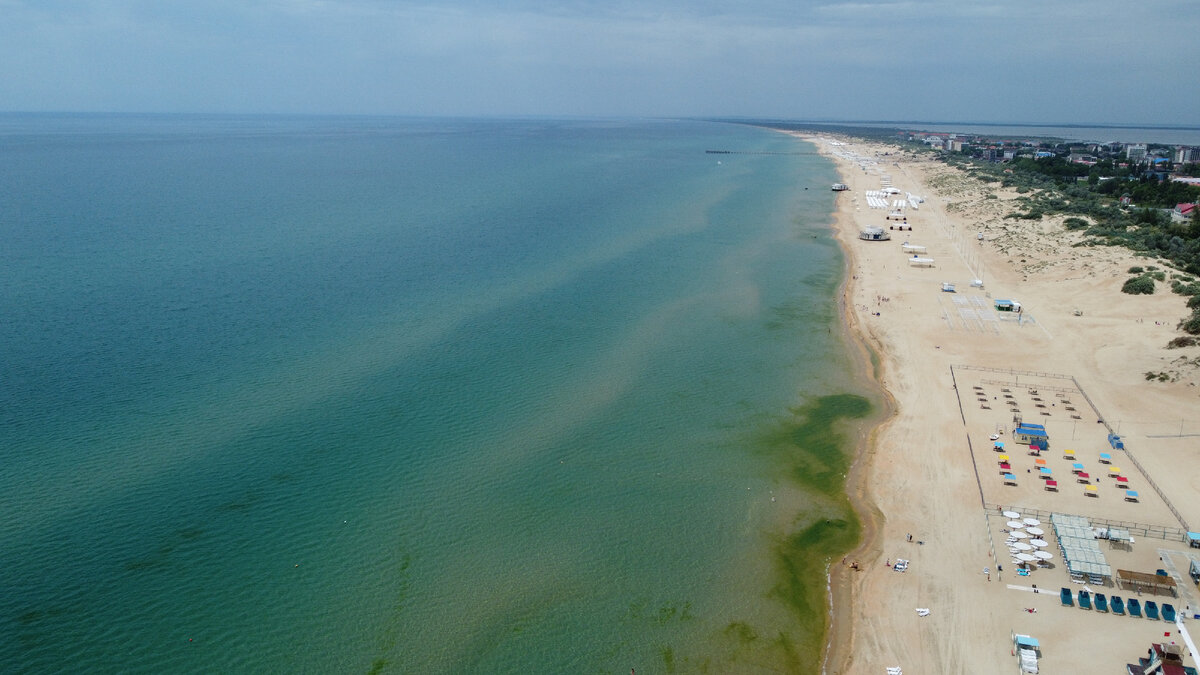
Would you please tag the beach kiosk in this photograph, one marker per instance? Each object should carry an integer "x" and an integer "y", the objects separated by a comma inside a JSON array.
[
  {"x": 1032, "y": 434},
  {"x": 1008, "y": 306}
]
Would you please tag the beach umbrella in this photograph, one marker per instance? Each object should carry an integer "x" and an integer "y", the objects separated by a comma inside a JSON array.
[
  {"x": 1068, "y": 453},
  {"x": 1078, "y": 466},
  {"x": 1040, "y": 543},
  {"x": 1002, "y": 458},
  {"x": 1022, "y": 546},
  {"x": 1016, "y": 524},
  {"x": 1039, "y": 462},
  {"x": 1018, "y": 534},
  {"x": 1045, "y": 471},
  {"x": 1043, "y": 555},
  {"x": 1035, "y": 531},
  {"x": 1011, "y": 514},
  {"x": 1032, "y": 521},
  {"x": 1025, "y": 557},
  {"x": 1112, "y": 470}
]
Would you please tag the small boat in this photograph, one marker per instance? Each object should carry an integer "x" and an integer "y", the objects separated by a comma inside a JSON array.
[{"x": 840, "y": 187}]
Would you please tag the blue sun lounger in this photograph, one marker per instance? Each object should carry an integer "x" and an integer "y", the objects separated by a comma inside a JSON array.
[
  {"x": 1118, "y": 606},
  {"x": 1085, "y": 600},
  {"x": 1101, "y": 603},
  {"x": 1135, "y": 608},
  {"x": 1168, "y": 613},
  {"x": 1067, "y": 596},
  {"x": 1152, "y": 610}
]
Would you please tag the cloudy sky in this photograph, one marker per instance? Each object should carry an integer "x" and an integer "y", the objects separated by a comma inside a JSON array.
[{"x": 1042, "y": 61}]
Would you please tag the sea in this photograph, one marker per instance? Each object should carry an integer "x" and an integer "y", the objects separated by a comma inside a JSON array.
[{"x": 391, "y": 395}]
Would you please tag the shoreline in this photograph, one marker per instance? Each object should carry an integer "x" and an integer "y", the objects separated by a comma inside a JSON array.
[
  {"x": 867, "y": 355},
  {"x": 914, "y": 474}
]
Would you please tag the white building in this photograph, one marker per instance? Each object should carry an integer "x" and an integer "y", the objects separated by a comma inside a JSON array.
[{"x": 1186, "y": 155}]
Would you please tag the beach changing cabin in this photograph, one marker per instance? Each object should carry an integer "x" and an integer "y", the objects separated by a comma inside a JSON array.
[{"x": 874, "y": 234}]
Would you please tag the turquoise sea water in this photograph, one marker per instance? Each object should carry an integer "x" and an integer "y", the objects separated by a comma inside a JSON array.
[{"x": 378, "y": 395}]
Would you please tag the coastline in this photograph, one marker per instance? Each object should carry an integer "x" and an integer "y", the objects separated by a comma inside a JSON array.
[
  {"x": 867, "y": 355},
  {"x": 907, "y": 336}
]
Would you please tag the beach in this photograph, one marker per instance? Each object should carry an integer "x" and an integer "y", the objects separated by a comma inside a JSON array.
[{"x": 958, "y": 370}]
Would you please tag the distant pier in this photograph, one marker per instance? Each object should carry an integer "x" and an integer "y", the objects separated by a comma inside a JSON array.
[{"x": 756, "y": 152}]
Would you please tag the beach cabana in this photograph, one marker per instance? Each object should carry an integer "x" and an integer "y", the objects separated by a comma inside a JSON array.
[
  {"x": 1045, "y": 472},
  {"x": 874, "y": 234},
  {"x": 1010, "y": 479},
  {"x": 1114, "y": 471},
  {"x": 1039, "y": 462},
  {"x": 1105, "y": 458},
  {"x": 998, "y": 446},
  {"x": 1091, "y": 491},
  {"x": 1067, "y": 597},
  {"x": 1076, "y": 467},
  {"x": 1131, "y": 495}
]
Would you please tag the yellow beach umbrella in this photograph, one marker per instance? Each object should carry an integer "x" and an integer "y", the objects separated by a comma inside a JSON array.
[
  {"x": 1069, "y": 454},
  {"x": 1112, "y": 471},
  {"x": 1002, "y": 458},
  {"x": 1091, "y": 488}
]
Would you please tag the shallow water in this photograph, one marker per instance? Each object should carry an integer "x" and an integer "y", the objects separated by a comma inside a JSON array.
[{"x": 359, "y": 394}]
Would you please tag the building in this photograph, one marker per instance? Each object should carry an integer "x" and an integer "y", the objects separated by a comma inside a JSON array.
[
  {"x": 1183, "y": 213},
  {"x": 1135, "y": 152},
  {"x": 1186, "y": 155}
]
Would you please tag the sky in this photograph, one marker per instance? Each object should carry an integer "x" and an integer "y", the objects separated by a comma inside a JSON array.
[{"x": 1024, "y": 61}]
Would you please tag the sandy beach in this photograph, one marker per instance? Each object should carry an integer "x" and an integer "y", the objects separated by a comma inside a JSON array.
[{"x": 957, "y": 371}]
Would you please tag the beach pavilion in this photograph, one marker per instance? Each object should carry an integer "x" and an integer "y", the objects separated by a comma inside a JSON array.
[{"x": 1140, "y": 581}]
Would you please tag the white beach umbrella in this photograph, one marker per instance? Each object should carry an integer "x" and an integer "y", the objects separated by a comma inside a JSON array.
[
  {"x": 1025, "y": 557},
  {"x": 1012, "y": 514},
  {"x": 1018, "y": 534},
  {"x": 1038, "y": 542},
  {"x": 1036, "y": 531},
  {"x": 1022, "y": 546},
  {"x": 1043, "y": 555},
  {"x": 1016, "y": 524},
  {"x": 1032, "y": 521}
]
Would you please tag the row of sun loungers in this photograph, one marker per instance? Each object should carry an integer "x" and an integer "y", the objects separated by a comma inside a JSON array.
[{"x": 1117, "y": 605}]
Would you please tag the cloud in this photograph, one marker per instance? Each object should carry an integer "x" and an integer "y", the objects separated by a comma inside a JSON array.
[{"x": 804, "y": 58}]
